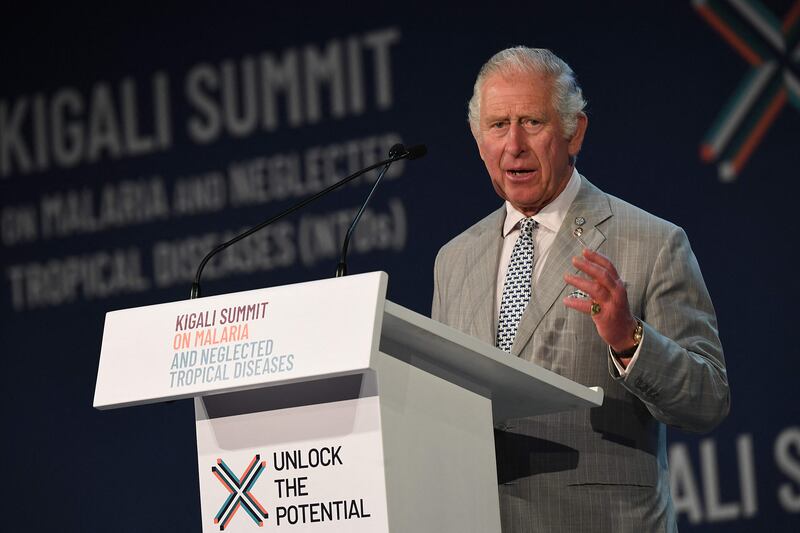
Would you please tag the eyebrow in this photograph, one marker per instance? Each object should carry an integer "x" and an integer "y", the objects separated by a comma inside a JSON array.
[{"x": 541, "y": 117}]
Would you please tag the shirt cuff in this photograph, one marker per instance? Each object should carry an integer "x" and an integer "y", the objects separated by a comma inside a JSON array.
[{"x": 624, "y": 371}]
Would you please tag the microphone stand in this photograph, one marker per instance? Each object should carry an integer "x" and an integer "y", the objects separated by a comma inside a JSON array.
[
  {"x": 195, "y": 290},
  {"x": 341, "y": 267}
]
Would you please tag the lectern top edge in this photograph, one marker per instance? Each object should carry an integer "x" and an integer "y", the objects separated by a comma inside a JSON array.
[{"x": 498, "y": 373}]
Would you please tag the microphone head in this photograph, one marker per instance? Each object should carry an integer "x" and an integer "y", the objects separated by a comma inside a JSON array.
[
  {"x": 417, "y": 151},
  {"x": 397, "y": 151}
]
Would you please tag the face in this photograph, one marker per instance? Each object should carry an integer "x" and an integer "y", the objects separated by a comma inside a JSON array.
[{"x": 521, "y": 141}]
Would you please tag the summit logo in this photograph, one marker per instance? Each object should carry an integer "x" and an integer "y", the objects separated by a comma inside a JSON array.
[
  {"x": 240, "y": 495},
  {"x": 771, "y": 45}
]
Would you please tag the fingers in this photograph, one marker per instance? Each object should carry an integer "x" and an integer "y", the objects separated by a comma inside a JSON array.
[
  {"x": 606, "y": 276},
  {"x": 600, "y": 259},
  {"x": 590, "y": 287},
  {"x": 579, "y": 304},
  {"x": 607, "y": 292},
  {"x": 601, "y": 282}
]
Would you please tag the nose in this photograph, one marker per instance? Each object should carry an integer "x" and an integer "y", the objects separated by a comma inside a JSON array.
[{"x": 514, "y": 140}]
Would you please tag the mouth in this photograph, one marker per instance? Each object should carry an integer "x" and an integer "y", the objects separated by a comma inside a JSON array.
[{"x": 519, "y": 173}]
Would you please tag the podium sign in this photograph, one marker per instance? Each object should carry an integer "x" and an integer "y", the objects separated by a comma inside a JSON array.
[
  {"x": 237, "y": 341},
  {"x": 310, "y": 468}
]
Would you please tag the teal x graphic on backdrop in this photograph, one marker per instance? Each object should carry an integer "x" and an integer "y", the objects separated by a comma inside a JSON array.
[{"x": 772, "y": 48}]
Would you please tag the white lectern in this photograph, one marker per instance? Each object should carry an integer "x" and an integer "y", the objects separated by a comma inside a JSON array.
[{"x": 322, "y": 406}]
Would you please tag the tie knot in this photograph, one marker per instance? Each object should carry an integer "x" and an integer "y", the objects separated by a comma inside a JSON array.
[{"x": 526, "y": 227}]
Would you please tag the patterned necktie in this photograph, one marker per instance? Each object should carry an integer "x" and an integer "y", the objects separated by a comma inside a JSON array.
[{"x": 517, "y": 287}]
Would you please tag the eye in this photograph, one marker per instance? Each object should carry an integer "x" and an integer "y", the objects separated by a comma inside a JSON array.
[
  {"x": 530, "y": 122},
  {"x": 500, "y": 124}
]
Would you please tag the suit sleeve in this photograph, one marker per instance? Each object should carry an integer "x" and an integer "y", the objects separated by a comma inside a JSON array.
[{"x": 680, "y": 374}]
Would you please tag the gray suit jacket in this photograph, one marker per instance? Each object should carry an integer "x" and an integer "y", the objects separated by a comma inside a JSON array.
[{"x": 603, "y": 469}]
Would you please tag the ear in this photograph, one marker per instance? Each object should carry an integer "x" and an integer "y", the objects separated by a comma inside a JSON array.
[{"x": 576, "y": 141}]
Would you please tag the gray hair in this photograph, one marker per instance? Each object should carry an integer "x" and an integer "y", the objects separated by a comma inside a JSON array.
[{"x": 567, "y": 94}]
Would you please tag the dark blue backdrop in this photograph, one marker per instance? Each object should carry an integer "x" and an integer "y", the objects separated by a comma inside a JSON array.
[{"x": 657, "y": 76}]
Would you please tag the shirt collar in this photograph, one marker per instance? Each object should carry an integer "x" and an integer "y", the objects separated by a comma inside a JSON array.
[{"x": 550, "y": 216}]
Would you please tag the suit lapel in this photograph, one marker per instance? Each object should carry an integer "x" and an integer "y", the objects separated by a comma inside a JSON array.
[
  {"x": 592, "y": 205},
  {"x": 483, "y": 261}
]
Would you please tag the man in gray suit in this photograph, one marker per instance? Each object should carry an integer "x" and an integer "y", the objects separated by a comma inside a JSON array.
[{"x": 591, "y": 287}]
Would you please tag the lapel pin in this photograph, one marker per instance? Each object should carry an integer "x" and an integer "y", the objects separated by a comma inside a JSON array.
[
  {"x": 580, "y": 221},
  {"x": 577, "y": 232}
]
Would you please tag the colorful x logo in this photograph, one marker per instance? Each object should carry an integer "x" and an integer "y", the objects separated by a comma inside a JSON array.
[
  {"x": 240, "y": 492},
  {"x": 771, "y": 47}
]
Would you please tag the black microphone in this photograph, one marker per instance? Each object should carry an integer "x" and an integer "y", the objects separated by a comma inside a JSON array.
[
  {"x": 413, "y": 152},
  {"x": 397, "y": 151}
]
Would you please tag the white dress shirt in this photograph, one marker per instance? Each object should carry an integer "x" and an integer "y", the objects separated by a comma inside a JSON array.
[{"x": 549, "y": 220}]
